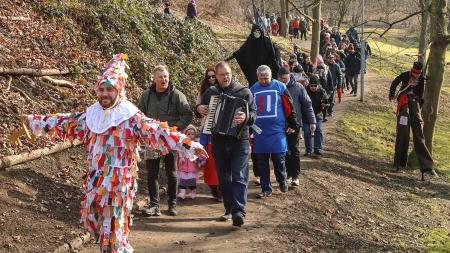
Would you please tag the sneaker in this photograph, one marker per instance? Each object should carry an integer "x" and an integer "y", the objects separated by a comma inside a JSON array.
[
  {"x": 295, "y": 182},
  {"x": 307, "y": 154},
  {"x": 284, "y": 187},
  {"x": 182, "y": 194},
  {"x": 238, "y": 219},
  {"x": 318, "y": 152},
  {"x": 225, "y": 217},
  {"x": 193, "y": 194},
  {"x": 257, "y": 181},
  {"x": 289, "y": 181},
  {"x": 263, "y": 195},
  {"x": 152, "y": 211},
  {"x": 172, "y": 211}
]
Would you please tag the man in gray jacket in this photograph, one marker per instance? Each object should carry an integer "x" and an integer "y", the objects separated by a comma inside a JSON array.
[
  {"x": 303, "y": 108},
  {"x": 164, "y": 102}
]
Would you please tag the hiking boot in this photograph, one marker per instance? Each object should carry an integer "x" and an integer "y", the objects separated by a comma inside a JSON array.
[
  {"x": 225, "y": 217},
  {"x": 295, "y": 182},
  {"x": 318, "y": 152},
  {"x": 152, "y": 211},
  {"x": 172, "y": 211},
  {"x": 263, "y": 195},
  {"x": 238, "y": 219},
  {"x": 284, "y": 187},
  {"x": 307, "y": 154}
]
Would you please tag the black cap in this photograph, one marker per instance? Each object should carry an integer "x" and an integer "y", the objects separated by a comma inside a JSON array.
[
  {"x": 283, "y": 71},
  {"x": 313, "y": 80},
  {"x": 297, "y": 69},
  {"x": 417, "y": 65}
]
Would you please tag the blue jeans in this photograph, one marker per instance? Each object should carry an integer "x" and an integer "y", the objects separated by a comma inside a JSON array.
[
  {"x": 318, "y": 137},
  {"x": 279, "y": 167},
  {"x": 231, "y": 157}
]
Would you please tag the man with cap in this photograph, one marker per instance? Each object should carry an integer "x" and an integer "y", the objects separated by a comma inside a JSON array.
[
  {"x": 409, "y": 99},
  {"x": 319, "y": 99},
  {"x": 335, "y": 84},
  {"x": 303, "y": 108},
  {"x": 112, "y": 130}
]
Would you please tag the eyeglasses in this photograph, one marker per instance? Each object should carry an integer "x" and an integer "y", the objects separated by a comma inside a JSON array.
[
  {"x": 312, "y": 85},
  {"x": 213, "y": 76}
]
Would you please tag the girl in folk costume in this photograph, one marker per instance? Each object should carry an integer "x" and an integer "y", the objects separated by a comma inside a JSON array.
[
  {"x": 112, "y": 130},
  {"x": 187, "y": 169},
  {"x": 209, "y": 167}
]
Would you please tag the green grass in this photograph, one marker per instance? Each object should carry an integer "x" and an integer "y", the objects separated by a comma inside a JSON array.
[
  {"x": 435, "y": 240},
  {"x": 371, "y": 125}
]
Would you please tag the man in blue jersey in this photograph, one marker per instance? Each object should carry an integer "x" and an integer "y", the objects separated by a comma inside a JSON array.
[{"x": 276, "y": 118}]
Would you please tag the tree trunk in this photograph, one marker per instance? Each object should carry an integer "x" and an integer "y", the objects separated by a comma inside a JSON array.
[
  {"x": 315, "y": 41},
  {"x": 438, "y": 25},
  {"x": 284, "y": 29},
  {"x": 423, "y": 31}
]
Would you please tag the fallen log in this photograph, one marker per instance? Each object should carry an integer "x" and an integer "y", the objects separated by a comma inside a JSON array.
[
  {"x": 33, "y": 72},
  {"x": 15, "y": 18},
  {"x": 57, "y": 82},
  {"x": 9, "y": 161}
]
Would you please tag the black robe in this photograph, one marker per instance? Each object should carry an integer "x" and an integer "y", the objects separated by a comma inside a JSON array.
[{"x": 256, "y": 52}]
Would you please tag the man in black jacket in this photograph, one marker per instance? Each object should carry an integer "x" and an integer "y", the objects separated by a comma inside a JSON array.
[
  {"x": 408, "y": 115},
  {"x": 353, "y": 68},
  {"x": 164, "y": 102},
  {"x": 230, "y": 153}
]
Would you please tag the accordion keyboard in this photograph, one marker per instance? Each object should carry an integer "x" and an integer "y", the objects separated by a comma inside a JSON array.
[{"x": 210, "y": 117}]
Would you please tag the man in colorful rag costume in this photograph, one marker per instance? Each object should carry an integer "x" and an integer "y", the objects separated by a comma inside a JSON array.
[{"x": 112, "y": 130}]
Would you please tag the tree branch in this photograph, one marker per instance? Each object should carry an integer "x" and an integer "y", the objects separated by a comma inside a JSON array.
[
  {"x": 301, "y": 12},
  {"x": 390, "y": 25},
  {"x": 400, "y": 20}
]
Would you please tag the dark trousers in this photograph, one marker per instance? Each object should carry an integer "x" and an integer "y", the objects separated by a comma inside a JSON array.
[
  {"x": 153, "y": 173},
  {"x": 231, "y": 156},
  {"x": 330, "y": 108},
  {"x": 279, "y": 167},
  {"x": 296, "y": 33},
  {"x": 353, "y": 80},
  {"x": 254, "y": 165},
  {"x": 302, "y": 34},
  {"x": 293, "y": 155},
  {"x": 410, "y": 117}
]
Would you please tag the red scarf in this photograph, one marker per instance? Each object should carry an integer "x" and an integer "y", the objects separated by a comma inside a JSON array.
[{"x": 403, "y": 98}]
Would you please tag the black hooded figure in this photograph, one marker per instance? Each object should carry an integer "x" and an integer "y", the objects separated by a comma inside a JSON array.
[{"x": 257, "y": 50}]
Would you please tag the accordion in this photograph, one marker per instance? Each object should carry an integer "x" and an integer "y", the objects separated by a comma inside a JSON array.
[{"x": 222, "y": 109}]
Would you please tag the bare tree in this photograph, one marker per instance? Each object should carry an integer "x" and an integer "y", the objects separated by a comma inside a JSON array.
[
  {"x": 284, "y": 29},
  {"x": 424, "y": 5},
  {"x": 438, "y": 49}
]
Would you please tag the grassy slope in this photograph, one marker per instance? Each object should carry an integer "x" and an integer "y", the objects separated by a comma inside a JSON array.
[
  {"x": 375, "y": 135},
  {"x": 141, "y": 30}
]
